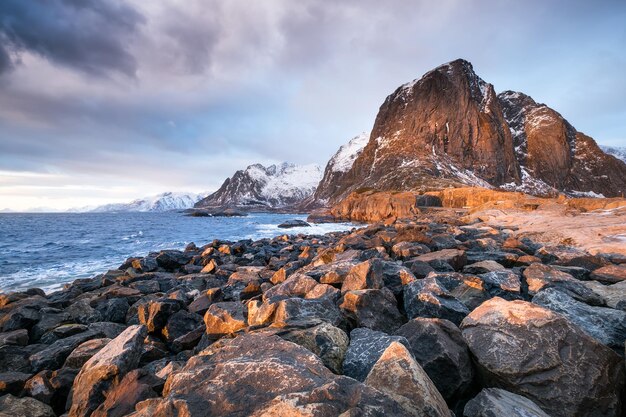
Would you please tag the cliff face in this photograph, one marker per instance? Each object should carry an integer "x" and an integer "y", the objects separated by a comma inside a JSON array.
[
  {"x": 258, "y": 187},
  {"x": 450, "y": 129},
  {"x": 448, "y": 126},
  {"x": 550, "y": 151}
]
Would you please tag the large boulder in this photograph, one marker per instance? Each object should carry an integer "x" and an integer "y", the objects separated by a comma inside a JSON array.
[
  {"x": 495, "y": 402},
  {"x": 24, "y": 407},
  {"x": 532, "y": 351},
  {"x": 224, "y": 318},
  {"x": 260, "y": 374},
  {"x": 610, "y": 274},
  {"x": 105, "y": 369},
  {"x": 154, "y": 314},
  {"x": 456, "y": 258},
  {"x": 136, "y": 386},
  {"x": 366, "y": 275},
  {"x": 366, "y": 347},
  {"x": 606, "y": 325},
  {"x": 439, "y": 348},
  {"x": 614, "y": 294},
  {"x": 427, "y": 298},
  {"x": 53, "y": 356},
  {"x": 539, "y": 276},
  {"x": 397, "y": 374},
  {"x": 374, "y": 309},
  {"x": 296, "y": 309}
]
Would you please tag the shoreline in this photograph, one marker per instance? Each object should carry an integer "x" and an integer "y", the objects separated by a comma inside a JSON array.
[{"x": 164, "y": 320}]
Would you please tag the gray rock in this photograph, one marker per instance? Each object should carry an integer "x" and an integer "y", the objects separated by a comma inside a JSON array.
[
  {"x": 532, "y": 351},
  {"x": 606, "y": 325},
  {"x": 55, "y": 355},
  {"x": 495, "y": 402},
  {"x": 427, "y": 298},
  {"x": 539, "y": 276},
  {"x": 366, "y": 347},
  {"x": 374, "y": 309},
  {"x": 24, "y": 407}
]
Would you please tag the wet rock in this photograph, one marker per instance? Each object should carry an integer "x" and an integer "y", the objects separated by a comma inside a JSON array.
[
  {"x": 365, "y": 275},
  {"x": 366, "y": 347},
  {"x": 84, "y": 352},
  {"x": 374, "y": 309},
  {"x": 154, "y": 314},
  {"x": 439, "y": 348},
  {"x": 147, "y": 264},
  {"x": 16, "y": 337},
  {"x": 12, "y": 382},
  {"x": 610, "y": 274},
  {"x": 224, "y": 318},
  {"x": 495, "y": 402},
  {"x": 27, "y": 407},
  {"x": 328, "y": 342},
  {"x": 397, "y": 374},
  {"x": 427, "y": 298},
  {"x": 293, "y": 223},
  {"x": 540, "y": 276},
  {"x": 105, "y": 369},
  {"x": 136, "y": 386},
  {"x": 532, "y": 351},
  {"x": 606, "y": 325}
]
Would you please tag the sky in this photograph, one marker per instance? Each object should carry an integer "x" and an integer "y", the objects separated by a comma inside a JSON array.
[{"x": 105, "y": 101}]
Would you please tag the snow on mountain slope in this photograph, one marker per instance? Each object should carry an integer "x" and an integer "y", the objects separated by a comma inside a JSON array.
[
  {"x": 275, "y": 186},
  {"x": 344, "y": 158},
  {"x": 162, "y": 202},
  {"x": 618, "y": 152}
]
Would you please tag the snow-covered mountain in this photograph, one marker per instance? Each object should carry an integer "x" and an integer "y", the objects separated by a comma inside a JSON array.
[
  {"x": 618, "y": 152},
  {"x": 276, "y": 186},
  {"x": 163, "y": 202},
  {"x": 337, "y": 168}
]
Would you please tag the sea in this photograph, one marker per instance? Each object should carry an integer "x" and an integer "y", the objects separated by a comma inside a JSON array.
[{"x": 47, "y": 250}]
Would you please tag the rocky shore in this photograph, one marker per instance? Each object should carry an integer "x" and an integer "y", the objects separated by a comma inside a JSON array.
[{"x": 428, "y": 316}]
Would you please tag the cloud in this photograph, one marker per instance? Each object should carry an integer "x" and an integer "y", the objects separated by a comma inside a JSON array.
[{"x": 87, "y": 35}]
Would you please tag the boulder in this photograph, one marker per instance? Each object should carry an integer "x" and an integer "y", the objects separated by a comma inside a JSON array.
[
  {"x": 136, "y": 386},
  {"x": 84, "y": 352},
  {"x": 396, "y": 276},
  {"x": 397, "y": 374},
  {"x": 155, "y": 314},
  {"x": 297, "y": 285},
  {"x": 606, "y": 325},
  {"x": 300, "y": 309},
  {"x": 532, "y": 351},
  {"x": 614, "y": 294},
  {"x": 12, "y": 382},
  {"x": 439, "y": 348},
  {"x": 16, "y": 337},
  {"x": 427, "y": 298},
  {"x": 496, "y": 402},
  {"x": 503, "y": 283},
  {"x": 454, "y": 257},
  {"x": 55, "y": 355},
  {"x": 26, "y": 407},
  {"x": 328, "y": 342},
  {"x": 181, "y": 323},
  {"x": 610, "y": 274},
  {"x": 105, "y": 369},
  {"x": 293, "y": 223},
  {"x": 224, "y": 318},
  {"x": 482, "y": 267},
  {"x": 374, "y": 309},
  {"x": 365, "y": 275},
  {"x": 468, "y": 289},
  {"x": 366, "y": 347},
  {"x": 262, "y": 375},
  {"x": 539, "y": 276}
]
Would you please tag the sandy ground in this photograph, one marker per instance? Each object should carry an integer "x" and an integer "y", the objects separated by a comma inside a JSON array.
[{"x": 600, "y": 231}]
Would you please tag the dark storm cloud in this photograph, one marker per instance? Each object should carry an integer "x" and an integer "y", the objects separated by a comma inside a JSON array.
[{"x": 88, "y": 35}]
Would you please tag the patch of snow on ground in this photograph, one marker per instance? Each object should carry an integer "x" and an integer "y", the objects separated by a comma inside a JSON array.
[{"x": 589, "y": 194}]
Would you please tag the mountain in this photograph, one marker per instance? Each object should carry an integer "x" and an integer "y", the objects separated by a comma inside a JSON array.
[
  {"x": 618, "y": 152},
  {"x": 338, "y": 166},
  {"x": 163, "y": 202},
  {"x": 258, "y": 187},
  {"x": 449, "y": 129}
]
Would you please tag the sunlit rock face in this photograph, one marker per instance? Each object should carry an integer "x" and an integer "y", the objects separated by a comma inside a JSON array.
[
  {"x": 532, "y": 351},
  {"x": 449, "y": 128}
]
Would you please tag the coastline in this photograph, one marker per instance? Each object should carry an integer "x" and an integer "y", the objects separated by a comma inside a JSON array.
[{"x": 167, "y": 323}]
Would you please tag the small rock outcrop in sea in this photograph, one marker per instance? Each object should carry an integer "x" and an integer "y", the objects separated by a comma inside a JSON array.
[
  {"x": 289, "y": 224},
  {"x": 422, "y": 317}
]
